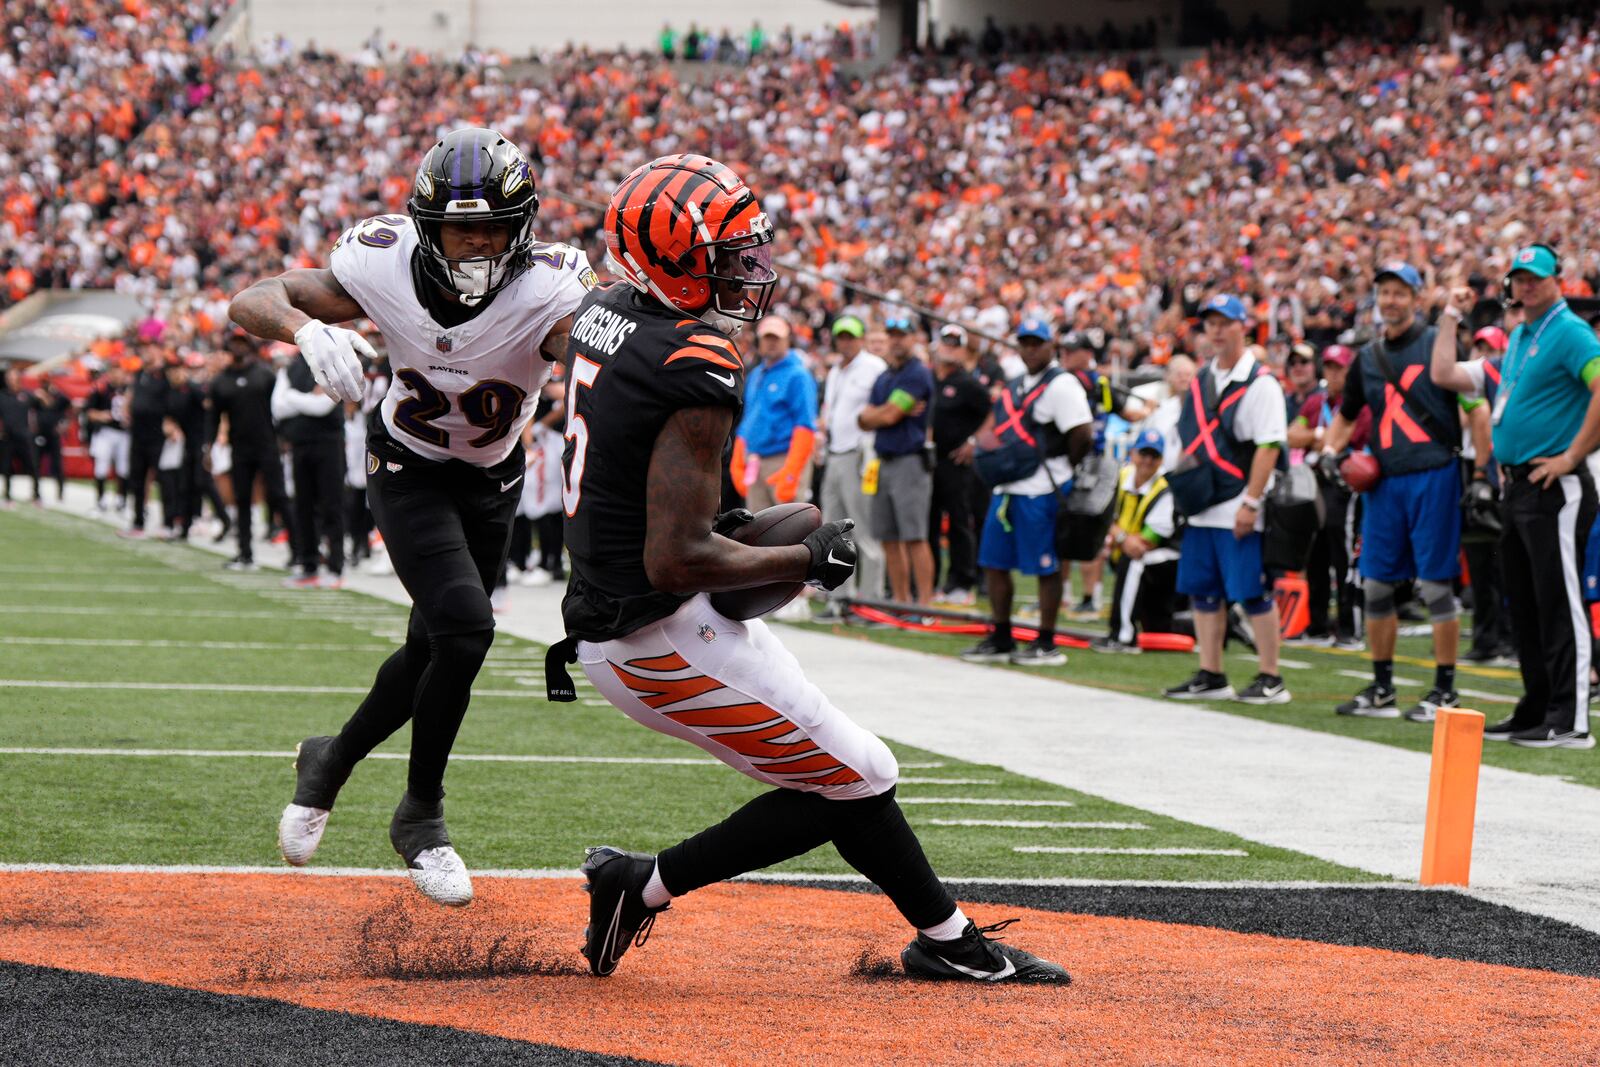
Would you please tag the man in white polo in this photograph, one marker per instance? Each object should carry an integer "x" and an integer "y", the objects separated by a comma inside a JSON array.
[{"x": 847, "y": 447}]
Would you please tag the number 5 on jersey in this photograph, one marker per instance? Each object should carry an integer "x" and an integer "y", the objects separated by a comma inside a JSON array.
[{"x": 584, "y": 373}]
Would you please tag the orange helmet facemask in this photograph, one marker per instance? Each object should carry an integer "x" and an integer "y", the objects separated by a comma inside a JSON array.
[{"x": 688, "y": 231}]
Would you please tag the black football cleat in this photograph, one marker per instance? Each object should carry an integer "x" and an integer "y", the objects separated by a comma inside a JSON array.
[
  {"x": 617, "y": 912},
  {"x": 976, "y": 957}
]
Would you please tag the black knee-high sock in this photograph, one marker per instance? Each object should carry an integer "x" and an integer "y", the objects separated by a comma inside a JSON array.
[
  {"x": 99, "y": 489},
  {"x": 871, "y": 834},
  {"x": 773, "y": 827},
  {"x": 873, "y": 837},
  {"x": 388, "y": 705},
  {"x": 441, "y": 703}
]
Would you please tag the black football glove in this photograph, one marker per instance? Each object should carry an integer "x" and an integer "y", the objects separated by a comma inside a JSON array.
[
  {"x": 833, "y": 554},
  {"x": 730, "y": 520}
]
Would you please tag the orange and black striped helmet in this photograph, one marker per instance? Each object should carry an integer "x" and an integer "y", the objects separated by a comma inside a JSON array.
[{"x": 688, "y": 231}]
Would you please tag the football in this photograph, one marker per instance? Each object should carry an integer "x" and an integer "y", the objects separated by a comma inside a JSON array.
[
  {"x": 1360, "y": 471},
  {"x": 782, "y": 524}
]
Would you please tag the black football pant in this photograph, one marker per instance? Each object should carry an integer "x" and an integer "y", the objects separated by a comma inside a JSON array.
[
  {"x": 246, "y": 467},
  {"x": 17, "y": 447},
  {"x": 1143, "y": 599},
  {"x": 1331, "y": 560},
  {"x": 318, "y": 468},
  {"x": 1491, "y": 622},
  {"x": 49, "y": 446},
  {"x": 552, "y": 540},
  {"x": 871, "y": 834},
  {"x": 1545, "y": 533},
  {"x": 447, "y": 527},
  {"x": 144, "y": 460},
  {"x": 953, "y": 497}
]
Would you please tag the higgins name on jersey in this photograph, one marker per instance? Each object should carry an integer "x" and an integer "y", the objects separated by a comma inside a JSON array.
[{"x": 461, "y": 392}]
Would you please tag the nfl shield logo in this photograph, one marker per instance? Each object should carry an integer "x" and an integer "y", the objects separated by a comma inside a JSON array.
[
  {"x": 707, "y": 634},
  {"x": 443, "y": 342}
]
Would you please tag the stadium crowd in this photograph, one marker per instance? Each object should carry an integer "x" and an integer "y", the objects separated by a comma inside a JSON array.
[{"x": 1066, "y": 214}]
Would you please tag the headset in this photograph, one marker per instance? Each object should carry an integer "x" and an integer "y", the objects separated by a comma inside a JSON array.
[{"x": 1505, "y": 283}]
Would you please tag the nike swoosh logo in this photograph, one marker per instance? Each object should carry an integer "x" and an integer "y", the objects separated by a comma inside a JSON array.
[
  {"x": 835, "y": 559},
  {"x": 507, "y": 485},
  {"x": 983, "y": 976},
  {"x": 608, "y": 948},
  {"x": 725, "y": 379}
]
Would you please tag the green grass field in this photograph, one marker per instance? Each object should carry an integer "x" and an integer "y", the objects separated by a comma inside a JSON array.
[
  {"x": 1319, "y": 678},
  {"x": 153, "y": 647}
]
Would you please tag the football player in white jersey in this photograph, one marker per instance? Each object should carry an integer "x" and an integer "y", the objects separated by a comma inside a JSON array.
[{"x": 473, "y": 311}]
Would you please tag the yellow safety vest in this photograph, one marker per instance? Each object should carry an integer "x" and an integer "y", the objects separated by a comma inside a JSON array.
[{"x": 1132, "y": 507}]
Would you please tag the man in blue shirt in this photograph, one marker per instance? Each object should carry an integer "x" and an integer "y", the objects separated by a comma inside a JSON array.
[
  {"x": 1546, "y": 417},
  {"x": 772, "y": 447},
  {"x": 897, "y": 413}
]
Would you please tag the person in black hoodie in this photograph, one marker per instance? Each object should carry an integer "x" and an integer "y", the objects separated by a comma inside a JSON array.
[
  {"x": 16, "y": 432},
  {"x": 313, "y": 424},
  {"x": 147, "y": 412},
  {"x": 50, "y": 409},
  {"x": 242, "y": 394}
]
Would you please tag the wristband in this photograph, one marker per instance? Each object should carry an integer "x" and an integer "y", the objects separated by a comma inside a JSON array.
[
  {"x": 1251, "y": 502},
  {"x": 1450, "y": 311}
]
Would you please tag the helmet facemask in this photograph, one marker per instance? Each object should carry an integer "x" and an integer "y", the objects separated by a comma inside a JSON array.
[
  {"x": 739, "y": 270},
  {"x": 474, "y": 278}
]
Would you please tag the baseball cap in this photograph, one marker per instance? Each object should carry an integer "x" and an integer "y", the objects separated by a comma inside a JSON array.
[
  {"x": 1337, "y": 355},
  {"x": 848, "y": 325},
  {"x": 1229, "y": 307},
  {"x": 772, "y": 326},
  {"x": 951, "y": 332},
  {"x": 1033, "y": 326},
  {"x": 1537, "y": 260},
  {"x": 1493, "y": 336},
  {"x": 1150, "y": 441},
  {"x": 1072, "y": 339},
  {"x": 1301, "y": 350},
  {"x": 1403, "y": 272},
  {"x": 897, "y": 323}
]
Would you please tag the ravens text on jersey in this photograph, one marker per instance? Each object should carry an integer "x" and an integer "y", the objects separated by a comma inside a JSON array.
[{"x": 632, "y": 363}]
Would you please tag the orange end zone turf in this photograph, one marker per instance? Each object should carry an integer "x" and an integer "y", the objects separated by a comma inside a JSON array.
[{"x": 762, "y": 973}]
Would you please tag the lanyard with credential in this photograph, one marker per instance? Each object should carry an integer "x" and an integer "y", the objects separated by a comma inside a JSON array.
[{"x": 1508, "y": 384}]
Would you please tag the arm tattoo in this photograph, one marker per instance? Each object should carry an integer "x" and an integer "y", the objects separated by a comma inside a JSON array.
[{"x": 684, "y": 488}]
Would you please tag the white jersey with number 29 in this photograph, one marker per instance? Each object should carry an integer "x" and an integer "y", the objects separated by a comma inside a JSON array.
[{"x": 463, "y": 392}]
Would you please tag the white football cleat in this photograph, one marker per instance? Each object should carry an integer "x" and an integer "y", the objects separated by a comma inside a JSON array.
[
  {"x": 442, "y": 876},
  {"x": 300, "y": 832}
]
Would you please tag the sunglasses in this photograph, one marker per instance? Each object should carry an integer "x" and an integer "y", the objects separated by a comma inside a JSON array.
[{"x": 1300, "y": 361}]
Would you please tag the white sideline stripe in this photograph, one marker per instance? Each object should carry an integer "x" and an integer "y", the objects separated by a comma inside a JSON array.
[
  {"x": 1034, "y": 824},
  {"x": 1493, "y": 698},
  {"x": 1294, "y": 664},
  {"x": 231, "y": 646},
  {"x": 949, "y": 781},
  {"x": 26, "y": 568},
  {"x": 465, "y": 757},
  {"x": 1366, "y": 676},
  {"x": 72, "y": 609},
  {"x": 761, "y": 876},
  {"x": 990, "y": 801},
  {"x": 210, "y": 687},
  {"x": 141, "y": 590},
  {"x": 1065, "y": 850}
]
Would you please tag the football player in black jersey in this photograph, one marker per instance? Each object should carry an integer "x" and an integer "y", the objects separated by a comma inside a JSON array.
[
  {"x": 467, "y": 302},
  {"x": 655, "y": 388}
]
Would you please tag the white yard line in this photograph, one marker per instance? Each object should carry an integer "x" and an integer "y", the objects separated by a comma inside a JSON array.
[
  {"x": 119, "y": 590},
  {"x": 949, "y": 781},
  {"x": 996, "y": 802},
  {"x": 759, "y": 876},
  {"x": 1034, "y": 824},
  {"x": 463, "y": 757},
  {"x": 1085, "y": 850},
  {"x": 220, "y": 687},
  {"x": 227, "y": 646}
]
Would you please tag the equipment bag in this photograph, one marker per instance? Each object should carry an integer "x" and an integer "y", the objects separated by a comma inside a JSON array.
[{"x": 1294, "y": 515}]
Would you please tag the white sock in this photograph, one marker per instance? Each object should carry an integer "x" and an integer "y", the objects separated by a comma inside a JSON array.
[
  {"x": 948, "y": 930},
  {"x": 655, "y": 892}
]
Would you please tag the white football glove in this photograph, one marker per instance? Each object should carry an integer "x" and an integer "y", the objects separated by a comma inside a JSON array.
[{"x": 330, "y": 352}]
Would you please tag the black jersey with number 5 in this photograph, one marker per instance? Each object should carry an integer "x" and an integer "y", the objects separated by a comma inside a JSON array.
[{"x": 631, "y": 363}]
